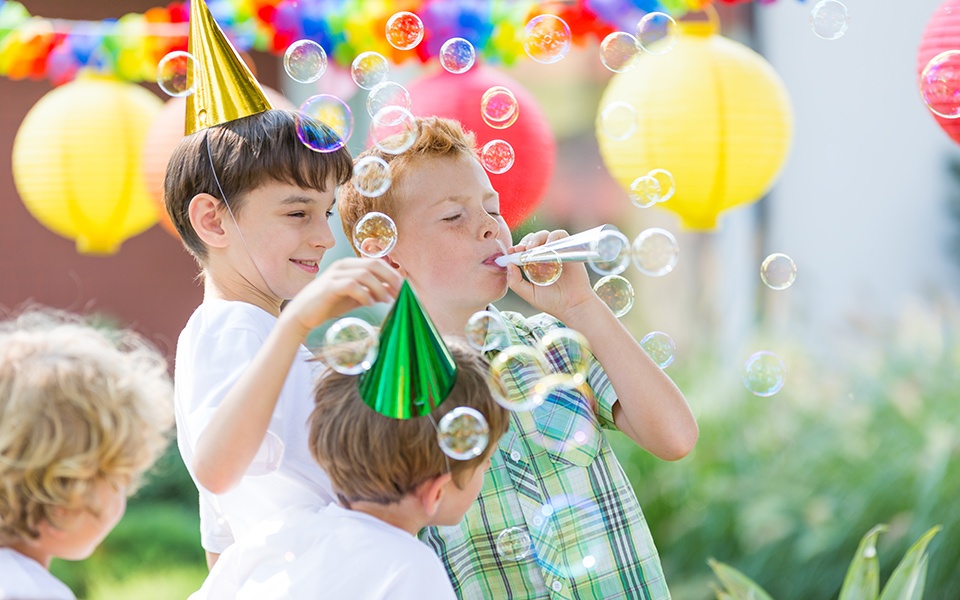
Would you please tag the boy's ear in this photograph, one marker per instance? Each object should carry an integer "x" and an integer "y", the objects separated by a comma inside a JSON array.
[
  {"x": 206, "y": 219},
  {"x": 431, "y": 491}
]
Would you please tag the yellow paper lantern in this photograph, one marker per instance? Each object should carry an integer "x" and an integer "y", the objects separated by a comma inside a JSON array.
[
  {"x": 77, "y": 165},
  {"x": 711, "y": 111}
]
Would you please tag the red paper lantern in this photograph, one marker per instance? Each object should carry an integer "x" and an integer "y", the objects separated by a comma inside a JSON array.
[
  {"x": 941, "y": 34},
  {"x": 164, "y": 134},
  {"x": 458, "y": 97}
]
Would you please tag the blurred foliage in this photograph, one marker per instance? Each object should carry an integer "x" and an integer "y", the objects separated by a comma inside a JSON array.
[
  {"x": 863, "y": 577},
  {"x": 782, "y": 487}
]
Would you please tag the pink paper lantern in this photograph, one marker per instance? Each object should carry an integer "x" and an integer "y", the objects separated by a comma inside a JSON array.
[
  {"x": 458, "y": 97},
  {"x": 941, "y": 34}
]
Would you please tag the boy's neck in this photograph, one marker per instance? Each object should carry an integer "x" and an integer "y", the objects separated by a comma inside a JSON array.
[
  {"x": 236, "y": 289},
  {"x": 449, "y": 321},
  {"x": 33, "y": 551},
  {"x": 407, "y": 514}
]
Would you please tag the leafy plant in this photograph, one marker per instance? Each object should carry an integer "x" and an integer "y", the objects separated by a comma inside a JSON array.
[{"x": 863, "y": 577}]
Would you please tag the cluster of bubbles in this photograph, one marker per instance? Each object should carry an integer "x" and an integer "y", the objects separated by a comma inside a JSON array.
[
  {"x": 656, "y": 186},
  {"x": 829, "y": 19},
  {"x": 515, "y": 364}
]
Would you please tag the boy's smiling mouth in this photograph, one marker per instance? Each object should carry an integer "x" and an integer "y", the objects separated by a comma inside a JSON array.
[{"x": 309, "y": 266}]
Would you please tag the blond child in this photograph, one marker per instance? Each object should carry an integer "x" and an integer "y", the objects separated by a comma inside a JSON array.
[
  {"x": 83, "y": 413},
  {"x": 554, "y": 477},
  {"x": 251, "y": 202},
  {"x": 391, "y": 478}
]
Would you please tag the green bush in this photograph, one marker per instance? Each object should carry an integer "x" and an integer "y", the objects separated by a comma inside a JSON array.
[{"x": 782, "y": 487}]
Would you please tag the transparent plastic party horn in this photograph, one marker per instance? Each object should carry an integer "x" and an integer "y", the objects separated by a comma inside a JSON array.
[{"x": 602, "y": 243}]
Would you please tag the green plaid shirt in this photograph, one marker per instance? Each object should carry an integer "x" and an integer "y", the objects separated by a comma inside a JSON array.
[{"x": 555, "y": 479}]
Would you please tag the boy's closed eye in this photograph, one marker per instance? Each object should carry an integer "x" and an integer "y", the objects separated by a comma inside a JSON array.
[{"x": 452, "y": 218}]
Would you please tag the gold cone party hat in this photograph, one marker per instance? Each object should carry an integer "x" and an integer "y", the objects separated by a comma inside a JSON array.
[
  {"x": 414, "y": 371},
  {"x": 225, "y": 89}
]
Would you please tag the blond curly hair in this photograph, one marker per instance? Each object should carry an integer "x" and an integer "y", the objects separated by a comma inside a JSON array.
[{"x": 78, "y": 406}]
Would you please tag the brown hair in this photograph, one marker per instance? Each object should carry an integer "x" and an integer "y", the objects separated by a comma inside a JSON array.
[
  {"x": 247, "y": 153},
  {"x": 78, "y": 406},
  {"x": 374, "y": 458},
  {"x": 438, "y": 137}
]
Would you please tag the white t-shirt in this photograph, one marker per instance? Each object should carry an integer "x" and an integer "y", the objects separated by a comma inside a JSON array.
[
  {"x": 218, "y": 343},
  {"x": 22, "y": 578},
  {"x": 330, "y": 552}
]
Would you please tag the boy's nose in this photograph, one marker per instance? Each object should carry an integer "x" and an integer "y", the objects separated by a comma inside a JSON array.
[
  {"x": 489, "y": 227},
  {"x": 324, "y": 238}
]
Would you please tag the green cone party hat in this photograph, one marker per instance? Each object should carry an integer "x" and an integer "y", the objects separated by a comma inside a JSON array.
[{"x": 414, "y": 371}]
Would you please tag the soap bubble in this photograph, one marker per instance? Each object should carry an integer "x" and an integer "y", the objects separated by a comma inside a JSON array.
[
  {"x": 615, "y": 248},
  {"x": 332, "y": 112},
  {"x": 668, "y": 187},
  {"x": 940, "y": 84},
  {"x": 369, "y": 69},
  {"x": 657, "y": 33},
  {"x": 404, "y": 30},
  {"x": 568, "y": 351},
  {"x": 511, "y": 370},
  {"x": 499, "y": 107},
  {"x": 644, "y": 191},
  {"x": 350, "y": 346},
  {"x": 387, "y": 93},
  {"x": 457, "y": 55},
  {"x": 371, "y": 176},
  {"x": 764, "y": 373},
  {"x": 829, "y": 19},
  {"x": 546, "y": 270},
  {"x": 305, "y": 61},
  {"x": 380, "y": 230},
  {"x": 659, "y": 347},
  {"x": 546, "y": 39},
  {"x": 463, "y": 433},
  {"x": 619, "y": 51},
  {"x": 618, "y": 120},
  {"x": 175, "y": 74},
  {"x": 616, "y": 292},
  {"x": 778, "y": 271},
  {"x": 497, "y": 156},
  {"x": 394, "y": 129},
  {"x": 514, "y": 543},
  {"x": 486, "y": 331},
  {"x": 655, "y": 252}
]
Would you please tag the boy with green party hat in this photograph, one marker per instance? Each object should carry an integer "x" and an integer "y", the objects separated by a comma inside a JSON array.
[
  {"x": 251, "y": 203},
  {"x": 386, "y": 439}
]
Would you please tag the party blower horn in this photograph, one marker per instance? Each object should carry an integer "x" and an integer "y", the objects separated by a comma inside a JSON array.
[
  {"x": 600, "y": 244},
  {"x": 414, "y": 371}
]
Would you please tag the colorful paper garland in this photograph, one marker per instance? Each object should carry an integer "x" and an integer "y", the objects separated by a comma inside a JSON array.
[{"x": 130, "y": 47}]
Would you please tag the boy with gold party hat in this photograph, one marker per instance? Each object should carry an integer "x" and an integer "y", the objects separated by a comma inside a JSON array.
[
  {"x": 251, "y": 203},
  {"x": 406, "y": 445}
]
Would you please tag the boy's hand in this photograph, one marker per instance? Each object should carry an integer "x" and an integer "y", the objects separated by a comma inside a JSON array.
[
  {"x": 345, "y": 285},
  {"x": 570, "y": 292}
]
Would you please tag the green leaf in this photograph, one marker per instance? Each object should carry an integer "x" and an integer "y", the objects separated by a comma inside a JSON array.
[
  {"x": 737, "y": 585},
  {"x": 907, "y": 581},
  {"x": 863, "y": 577}
]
